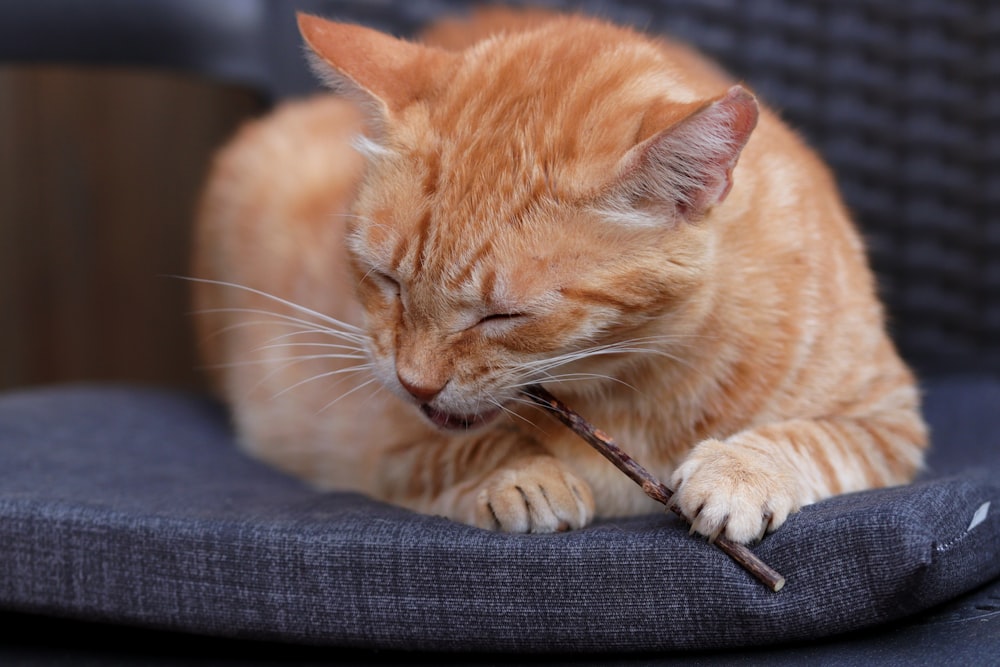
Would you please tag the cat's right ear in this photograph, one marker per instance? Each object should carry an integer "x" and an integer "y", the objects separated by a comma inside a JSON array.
[
  {"x": 684, "y": 170},
  {"x": 383, "y": 73}
]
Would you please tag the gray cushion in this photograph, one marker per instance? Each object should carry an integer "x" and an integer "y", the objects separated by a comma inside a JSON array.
[{"x": 134, "y": 506}]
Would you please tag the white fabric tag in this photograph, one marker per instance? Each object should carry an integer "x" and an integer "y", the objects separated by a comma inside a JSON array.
[{"x": 979, "y": 516}]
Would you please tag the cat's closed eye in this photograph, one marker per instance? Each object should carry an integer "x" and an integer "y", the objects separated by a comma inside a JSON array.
[
  {"x": 500, "y": 318},
  {"x": 389, "y": 285}
]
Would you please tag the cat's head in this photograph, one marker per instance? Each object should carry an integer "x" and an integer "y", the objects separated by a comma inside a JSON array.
[{"x": 530, "y": 203}]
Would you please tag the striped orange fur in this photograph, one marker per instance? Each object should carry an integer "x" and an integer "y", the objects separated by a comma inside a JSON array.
[{"x": 525, "y": 197}]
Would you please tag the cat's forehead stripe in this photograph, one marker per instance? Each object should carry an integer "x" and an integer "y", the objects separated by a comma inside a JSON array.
[
  {"x": 622, "y": 299},
  {"x": 422, "y": 234},
  {"x": 469, "y": 266}
]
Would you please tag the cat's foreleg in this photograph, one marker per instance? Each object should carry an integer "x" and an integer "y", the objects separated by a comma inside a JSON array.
[
  {"x": 748, "y": 484},
  {"x": 499, "y": 479}
]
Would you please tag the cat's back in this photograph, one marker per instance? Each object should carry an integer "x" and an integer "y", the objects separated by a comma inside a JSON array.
[
  {"x": 272, "y": 211},
  {"x": 591, "y": 34},
  {"x": 302, "y": 146}
]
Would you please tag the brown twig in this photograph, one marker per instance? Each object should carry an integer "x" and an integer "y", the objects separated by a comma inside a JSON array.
[{"x": 652, "y": 487}]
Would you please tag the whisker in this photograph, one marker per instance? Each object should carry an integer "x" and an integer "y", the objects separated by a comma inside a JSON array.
[
  {"x": 332, "y": 346},
  {"x": 585, "y": 353},
  {"x": 286, "y": 361},
  {"x": 511, "y": 413},
  {"x": 291, "y": 304},
  {"x": 622, "y": 347},
  {"x": 379, "y": 387},
  {"x": 573, "y": 377},
  {"x": 320, "y": 376},
  {"x": 545, "y": 370},
  {"x": 534, "y": 406},
  {"x": 282, "y": 319},
  {"x": 343, "y": 396},
  {"x": 279, "y": 367},
  {"x": 348, "y": 345},
  {"x": 304, "y": 329}
]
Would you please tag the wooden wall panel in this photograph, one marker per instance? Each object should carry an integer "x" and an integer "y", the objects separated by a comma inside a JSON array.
[{"x": 99, "y": 175}]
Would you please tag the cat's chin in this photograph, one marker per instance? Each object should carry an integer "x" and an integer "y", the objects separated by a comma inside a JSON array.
[{"x": 451, "y": 422}]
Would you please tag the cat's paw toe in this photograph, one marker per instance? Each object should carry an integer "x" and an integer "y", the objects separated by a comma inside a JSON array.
[
  {"x": 724, "y": 489},
  {"x": 538, "y": 495}
]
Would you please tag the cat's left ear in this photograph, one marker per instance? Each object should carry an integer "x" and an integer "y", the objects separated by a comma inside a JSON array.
[
  {"x": 684, "y": 170},
  {"x": 383, "y": 73}
]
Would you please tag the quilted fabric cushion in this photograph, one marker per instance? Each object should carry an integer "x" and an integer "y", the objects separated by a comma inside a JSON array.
[{"x": 134, "y": 506}]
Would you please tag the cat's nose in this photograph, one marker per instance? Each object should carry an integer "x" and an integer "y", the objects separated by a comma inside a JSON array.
[{"x": 421, "y": 391}]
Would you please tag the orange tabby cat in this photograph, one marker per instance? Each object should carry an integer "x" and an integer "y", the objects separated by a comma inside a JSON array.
[{"x": 530, "y": 198}]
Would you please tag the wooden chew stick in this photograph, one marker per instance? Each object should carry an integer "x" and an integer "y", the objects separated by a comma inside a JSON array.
[{"x": 652, "y": 487}]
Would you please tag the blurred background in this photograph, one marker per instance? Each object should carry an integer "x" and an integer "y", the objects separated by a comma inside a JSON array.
[{"x": 99, "y": 175}]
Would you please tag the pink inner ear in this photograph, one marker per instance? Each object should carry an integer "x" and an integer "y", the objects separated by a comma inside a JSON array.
[{"x": 689, "y": 167}]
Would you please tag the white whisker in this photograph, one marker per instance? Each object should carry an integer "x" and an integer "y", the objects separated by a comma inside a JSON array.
[
  {"x": 291, "y": 304},
  {"x": 574, "y": 377},
  {"x": 303, "y": 329},
  {"x": 320, "y": 376},
  {"x": 288, "y": 319},
  {"x": 379, "y": 387},
  {"x": 332, "y": 346},
  {"x": 349, "y": 346},
  {"x": 345, "y": 395},
  {"x": 623, "y": 347},
  {"x": 547, "y": 369},
  {"x": 511, "y": 413},
  {"x": 286, "y": 361}
]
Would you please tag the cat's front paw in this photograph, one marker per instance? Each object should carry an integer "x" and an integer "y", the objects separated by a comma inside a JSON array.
[
  {"x": 726, "y": 489},
  {"x": 534, "y": 495}
]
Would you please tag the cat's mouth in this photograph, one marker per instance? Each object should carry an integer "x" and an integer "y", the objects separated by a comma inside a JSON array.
[{"x": 451, "y": 422}]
